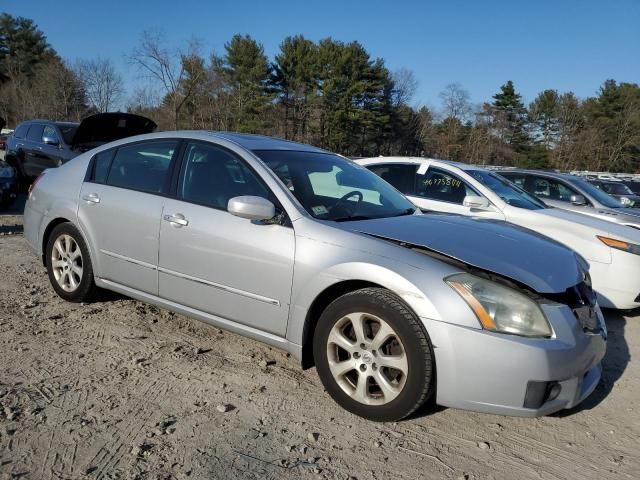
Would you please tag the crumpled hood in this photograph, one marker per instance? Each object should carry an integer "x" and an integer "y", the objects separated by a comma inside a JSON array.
[
  {"x": 543, "y": 265},
  {"x": 107, "y": 127}
]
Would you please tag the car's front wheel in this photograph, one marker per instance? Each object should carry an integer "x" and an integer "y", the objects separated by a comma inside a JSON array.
[
  {"x": 373, "y": 355},
  {"x": 68, "y": 264}
]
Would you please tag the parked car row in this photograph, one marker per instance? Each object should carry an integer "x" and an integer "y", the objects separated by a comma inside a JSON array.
[
  {"x": 36, "y": 145},
  {"x": 611, "y": 250},
  {"x": 310, "y": 252}
]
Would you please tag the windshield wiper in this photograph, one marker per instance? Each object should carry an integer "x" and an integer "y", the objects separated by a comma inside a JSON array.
[
  {"x": 352, "y": 217},
  {"x": 408, "y": 211}
]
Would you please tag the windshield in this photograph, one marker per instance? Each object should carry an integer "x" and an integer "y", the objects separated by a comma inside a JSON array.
[
  {"x": 506, "y": 190},
  {"x": 634, "y": 187},
  {"x": 332, "y": 188},
  {"x": 593, "y": 191},
  {"x": 68, "y": 131}
]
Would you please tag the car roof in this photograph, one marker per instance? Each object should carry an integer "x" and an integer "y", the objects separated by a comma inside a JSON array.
[
  {"x": 417, "y": 161},
  {"x": 542, "y": 173},
  {"x": 263, "y": 142},
  {"x": 51, "y": 122}
]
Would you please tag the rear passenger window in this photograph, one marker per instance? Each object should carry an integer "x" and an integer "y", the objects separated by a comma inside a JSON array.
[
  {"x": 143, "y": 166},
  {"x": 101, "y": 164},
  {"x": 35, "y": 133}
]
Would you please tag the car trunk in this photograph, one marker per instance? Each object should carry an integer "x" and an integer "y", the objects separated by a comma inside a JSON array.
[{"x": 106, "y": 127}]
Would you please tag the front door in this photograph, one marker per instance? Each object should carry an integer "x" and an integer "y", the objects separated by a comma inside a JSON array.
[
  {"x": 120, "y": 210},
  {"x": 218, "y": 263},
  {"x": 442, "y": 191}
]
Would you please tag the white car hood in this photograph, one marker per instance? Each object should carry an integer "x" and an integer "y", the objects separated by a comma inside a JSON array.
[{"x": 592, "y": 225}]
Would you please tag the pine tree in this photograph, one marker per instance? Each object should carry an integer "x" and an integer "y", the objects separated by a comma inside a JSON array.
[
  {"x": 247, "y": 72},
  {"x": 22, "y": 47},
  {"x": 510, "y": 117}
]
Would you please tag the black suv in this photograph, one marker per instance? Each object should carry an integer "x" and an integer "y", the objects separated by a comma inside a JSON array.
[{"x": 40, "y": 144}]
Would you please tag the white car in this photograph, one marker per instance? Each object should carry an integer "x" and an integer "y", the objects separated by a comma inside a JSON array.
[{"x": 612, "y": 251}]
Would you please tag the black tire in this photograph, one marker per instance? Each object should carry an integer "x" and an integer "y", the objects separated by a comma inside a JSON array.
[
  {"x": 419, "y": 383},
  {"x": 86, "y": 289}
]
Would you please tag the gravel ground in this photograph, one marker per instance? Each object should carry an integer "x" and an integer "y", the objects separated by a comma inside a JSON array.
[{"x": 121, "y": 390}]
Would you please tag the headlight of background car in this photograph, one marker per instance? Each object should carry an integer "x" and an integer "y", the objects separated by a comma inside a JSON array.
[
  {"x": 625, "y": 201},
  {"x": 500, "y": 308},
  {"x": 7, "y": 172},
  {"x": 620, "y": 245}
]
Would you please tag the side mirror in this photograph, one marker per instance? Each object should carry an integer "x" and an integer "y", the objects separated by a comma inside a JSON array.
[
  {"x": 626, "y": 201},
  {"x": 51, "y": 141},
  {"x": 476, "y": 202},
  {"x": 252, "y": 208},
  {"x": 577, "y": 200}
]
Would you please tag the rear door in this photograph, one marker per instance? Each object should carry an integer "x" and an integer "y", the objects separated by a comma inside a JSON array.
[
  {"x": 33, "y": 150},
  {"x": 216, "y": 262},
  {"x": 120, "y": 209}
]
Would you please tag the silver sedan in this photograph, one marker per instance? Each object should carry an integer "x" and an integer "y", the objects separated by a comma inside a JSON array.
[
  {"x": 570, "y": 192},
  {"x": 304, "y": 250}
]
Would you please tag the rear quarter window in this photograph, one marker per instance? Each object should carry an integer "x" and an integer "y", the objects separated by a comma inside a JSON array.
[
  {"x": 21, "y": 131},
  {"x": 100, "y": 165}
]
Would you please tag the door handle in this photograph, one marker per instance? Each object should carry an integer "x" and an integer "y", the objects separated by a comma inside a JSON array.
[
  {"x": 91, "y": 198},
  {"x": 177, "y": 220}
]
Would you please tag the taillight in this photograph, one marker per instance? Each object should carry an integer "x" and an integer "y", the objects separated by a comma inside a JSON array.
[{"x": 32, "y": 186}]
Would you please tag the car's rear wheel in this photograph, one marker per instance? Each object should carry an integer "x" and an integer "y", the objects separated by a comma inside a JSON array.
[
  {"x": 69, "y": 265},
  {"x": 373, "y": 355}
]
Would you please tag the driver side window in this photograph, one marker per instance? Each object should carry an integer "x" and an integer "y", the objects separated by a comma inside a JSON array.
[
  {"x": 211, "y": 176},
  {"x": 436, "y": 184},
  {"x": 50, "y": 132}
]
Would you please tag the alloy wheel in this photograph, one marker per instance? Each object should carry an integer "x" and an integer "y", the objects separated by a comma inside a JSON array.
[
  {"x": 66, "y": 263},
  {"x": 367, "y": 358}
]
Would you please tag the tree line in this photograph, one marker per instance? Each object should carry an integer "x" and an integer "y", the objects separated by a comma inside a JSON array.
[{"x": 329, "y": 93}]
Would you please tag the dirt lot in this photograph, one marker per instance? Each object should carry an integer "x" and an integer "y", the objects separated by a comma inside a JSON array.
[{"x": 118, "y": 389}]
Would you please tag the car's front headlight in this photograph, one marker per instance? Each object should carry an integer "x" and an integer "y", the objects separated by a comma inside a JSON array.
[
  {"x": 620, "y": 245},
  {"x": 625, "y": 201},
  {"x": 500, "y": 308}
]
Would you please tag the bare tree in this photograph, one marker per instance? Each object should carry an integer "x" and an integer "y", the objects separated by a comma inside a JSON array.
[
  {"x": 104, "y": 86},
  {"x": 455, "y": 102},
  {"x": 405, "y": 86},
  {"x": 166, "y": 67}
]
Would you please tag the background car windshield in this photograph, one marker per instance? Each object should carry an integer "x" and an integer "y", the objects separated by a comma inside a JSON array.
[
  {"x": 67, "y": 131},
  {"x": 507, "y": 191},
  {"x": 595, "y": 192},
  {"x": 332, "y": 188}
]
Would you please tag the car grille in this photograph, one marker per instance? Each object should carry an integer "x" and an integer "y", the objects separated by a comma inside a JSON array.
[{"x": 582, "y": 300}]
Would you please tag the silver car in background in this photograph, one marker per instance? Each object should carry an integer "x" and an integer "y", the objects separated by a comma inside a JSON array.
[
  {"x": 574, "y": 193},
  {"x": 304, "y": 250}
]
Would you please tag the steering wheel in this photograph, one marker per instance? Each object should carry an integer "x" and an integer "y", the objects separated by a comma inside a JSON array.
[{"x": 349, "y": 207}]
